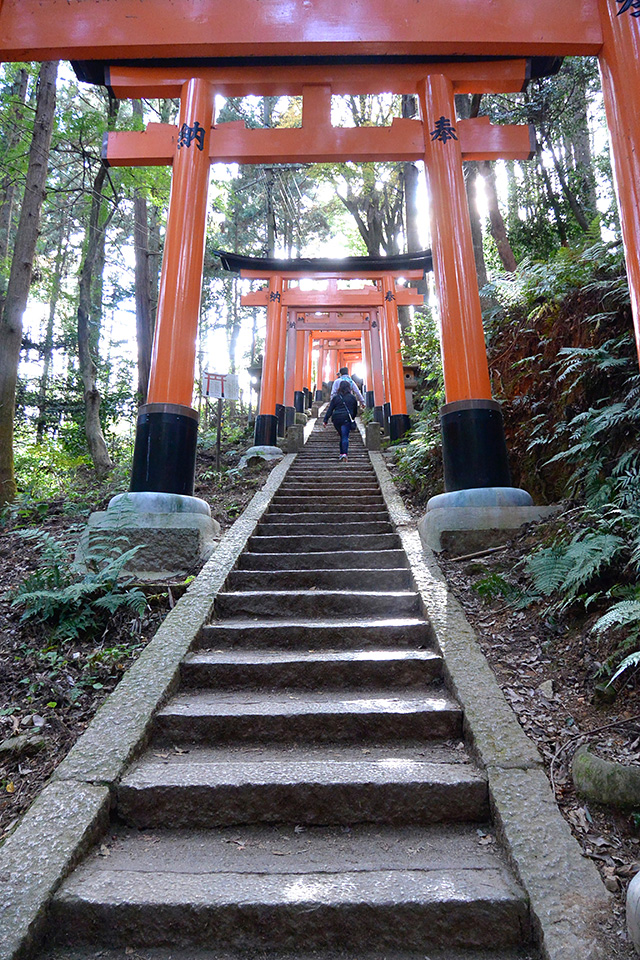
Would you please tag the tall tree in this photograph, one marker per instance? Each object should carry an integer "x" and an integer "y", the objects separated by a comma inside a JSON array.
[
  {"x": 21, "y": 269},
  {"x": 89, "y": 309},
  {"x": 496, "y": 220},
  {"x": 143, "y": 283},
  {"x": 13, "y": 135}
]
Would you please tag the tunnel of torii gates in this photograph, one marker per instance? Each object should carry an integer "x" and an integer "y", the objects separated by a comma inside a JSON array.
[
  {"x": 195, "y": 49},
  {"x": 348, "y": 324}
]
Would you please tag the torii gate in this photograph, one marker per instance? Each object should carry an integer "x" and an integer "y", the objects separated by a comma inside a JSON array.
[
  {"x": 196, "y": 141},
  {"x": 431, "y": 49},
  {"x": 287, "y": 332}
]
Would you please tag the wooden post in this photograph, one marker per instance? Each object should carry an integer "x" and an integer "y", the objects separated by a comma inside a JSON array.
[
  {"x": 282, "y": 352},
  {"x": 289, "y": 373},
  {"x": 267, "y": 422},
  {"x": 298, "y": 397},
  {"x": 474, "y": 449},
  {"x": 620, "y": 73},
  {"x": 322, "y": 359},
  {"x": 398, "y": 420},
  {"x": 368, "y": 374},
  {"x": 165, "y": 450}
]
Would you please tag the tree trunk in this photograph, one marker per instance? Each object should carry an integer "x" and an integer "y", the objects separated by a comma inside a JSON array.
[
  {"x": 496, "y": 221},
  {"x": 234, "y": 332},
  {"x": 570, "y": 196},
  {"x": 470, "y": 176},
  {"x": 21, "y": 268},
  {"x": 47, "y": 348},
  {"x": 552, "y": 199},
  {"x": 88, "y": 332},
  {"x": 8, "y": 186},
  {"x": 144, "y": 305},
  {"x": 467, "y": 107}
]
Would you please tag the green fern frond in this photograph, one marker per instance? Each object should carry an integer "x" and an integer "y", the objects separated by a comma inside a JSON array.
[
  {"x": 624, "y": 612},
  {"x": 633, "y": 660}
]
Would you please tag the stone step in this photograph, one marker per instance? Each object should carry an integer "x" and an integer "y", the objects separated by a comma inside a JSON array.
[
  {"x": 356, "y": 495},
  {"x": 350, "y": 516},
  {"x": 302, "y": 528},
  {"x": 310, "y": 603},
  {"x": 331, "y": 471},
  {"x": 359, "y": 888},
  {"x": 326, "y": 505},
  {"x": 353, "y": 579},
  {"x": 164, "y": 953},
  {"x": 310, "y": 670},
  {"x": 333, "y": 560},
  {"x": 218, "y": 787},
  {"x": 338, "y": 634},
  {"x": 315, "y": 543},
  {"x": 324, "y": 716},
  {"x": 329, "y": 455},
  {"x": 329, "y": 487}
]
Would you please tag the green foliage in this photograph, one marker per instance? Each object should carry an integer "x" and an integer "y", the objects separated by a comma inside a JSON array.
[
  {"x": 567, "y": 569},
  {"x": 539, "y": 283},
  {"x": 633, "y": 660},
  {"x": 419, "y": 462},
  {"x": 493, "y": 585},
  {"x": 45, "y": 470},
  {"x": 73, "y": 605}
]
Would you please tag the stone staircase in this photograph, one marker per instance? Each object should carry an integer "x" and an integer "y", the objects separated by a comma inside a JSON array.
[{"x": 306, "y": 792}]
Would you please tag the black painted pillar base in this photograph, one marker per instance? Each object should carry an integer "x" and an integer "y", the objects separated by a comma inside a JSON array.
[
  {"x": 378, "y": 416},
  {"x": 289, "y": 417},
  {"x": 266, "y": 434},
  {"x": 164, "y": 456},
  {"x": 370, "y": 401},
  {"x": 386, "y": 412},
  {"x": 280, "y": 418},
  {"x": 298, "y": 401},
  {"x": 307, "y": 397},
  {"x": 474, "y": 450},
  {"x": 318, "y": 396},
  {"x": 399, "y": 423}
]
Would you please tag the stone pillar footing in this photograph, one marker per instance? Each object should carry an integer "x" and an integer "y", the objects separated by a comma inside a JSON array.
[
  {"x": 174, "y": 535},
  {"x": 466, "y": 521}
]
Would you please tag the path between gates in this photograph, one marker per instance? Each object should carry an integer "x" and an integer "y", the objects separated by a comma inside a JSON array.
[{"x": 291, "y": 769}]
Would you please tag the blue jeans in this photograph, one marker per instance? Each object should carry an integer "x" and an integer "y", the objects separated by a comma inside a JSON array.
[{"x": 345, "y": 430}]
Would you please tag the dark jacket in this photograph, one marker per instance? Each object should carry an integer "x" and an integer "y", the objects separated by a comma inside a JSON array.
[{"x": 340, "y": 407}]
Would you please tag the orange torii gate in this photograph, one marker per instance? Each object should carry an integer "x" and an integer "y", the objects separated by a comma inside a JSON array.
[
  {"x": 193, "y": 50},
  {"x": 316, "y": 140},
  {"x": 287, "y": 303}
]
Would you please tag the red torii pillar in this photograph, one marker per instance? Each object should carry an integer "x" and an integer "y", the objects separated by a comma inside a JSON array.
[
  {"x": 377, "y": 368},
  {"x": 267, "y": 420},
  {"x": 473, "y": 443},
  {"x": 619, "y": 61},
  {"x": 398, "y": 417},
  {"x": 166, "y": 436}
]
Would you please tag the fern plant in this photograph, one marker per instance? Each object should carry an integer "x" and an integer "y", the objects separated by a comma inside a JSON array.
[{"x": 75, "y": 605}]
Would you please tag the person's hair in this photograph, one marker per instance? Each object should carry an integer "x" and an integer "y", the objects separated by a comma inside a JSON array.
[
  {"x": 344, "y": 371},
  {"x": 344, "y": 387}
]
